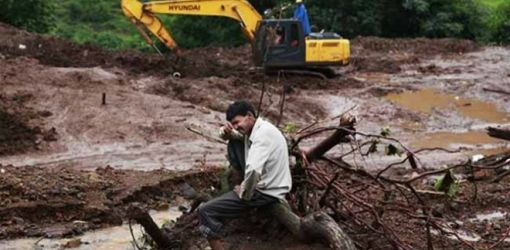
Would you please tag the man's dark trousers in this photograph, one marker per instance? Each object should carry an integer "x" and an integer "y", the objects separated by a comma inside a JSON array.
[{"x": 229, "y": 205}]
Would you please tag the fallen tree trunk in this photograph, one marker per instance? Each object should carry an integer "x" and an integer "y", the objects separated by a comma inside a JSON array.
[
  {"x": 318, "y": 225},
  {"x": 143, "y": 218},
  {"x": 347, "y": 121}
]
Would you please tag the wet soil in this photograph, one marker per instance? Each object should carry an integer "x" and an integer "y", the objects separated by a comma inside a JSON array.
[
  {"x": 57, "y": 136},
  {"x": 63, "y": 202}
]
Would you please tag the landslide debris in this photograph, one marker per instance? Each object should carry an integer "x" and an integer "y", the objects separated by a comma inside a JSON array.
[
  {"x": 21, "y": 128},
  {"x": 59, "y": 202}
]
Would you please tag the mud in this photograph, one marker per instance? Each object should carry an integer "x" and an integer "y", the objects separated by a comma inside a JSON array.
[
  {"x": 64, "y": 202},
  {"x": 57, "y": 138}
]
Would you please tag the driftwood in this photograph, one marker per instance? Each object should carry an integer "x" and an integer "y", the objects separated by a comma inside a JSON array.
[
  {"x": 499, "y": 91},
  {"x": 346, "y": 121},
  {"x": 315, "y": 226},
  {"x": 141, "y": 216},
  {"x": 499, "y": 133}
]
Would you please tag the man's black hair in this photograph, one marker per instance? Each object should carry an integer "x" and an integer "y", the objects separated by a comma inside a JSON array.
[{"x": 239, "y": 108}]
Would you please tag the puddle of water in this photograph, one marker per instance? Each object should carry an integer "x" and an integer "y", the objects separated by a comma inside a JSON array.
[
  {"x": 496, "y": 215},
  {"x": 105, "y": 239},
  {"x": 490, "y": 151},
  {"x": 472, "y": 236},
  {"x": 412, "y": 126},
  {"x": 373, "y": 77},
  {"x": 464, "y": 235},
  {"x": 425, "y": 100},
  {"x": 453, "y": 140}
]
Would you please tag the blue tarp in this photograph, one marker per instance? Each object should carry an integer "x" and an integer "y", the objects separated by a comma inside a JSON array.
[{"x": 301, "y": 14}]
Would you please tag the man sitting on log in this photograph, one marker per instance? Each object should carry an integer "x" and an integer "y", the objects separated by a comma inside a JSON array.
[{"x": 259, "y": 151}]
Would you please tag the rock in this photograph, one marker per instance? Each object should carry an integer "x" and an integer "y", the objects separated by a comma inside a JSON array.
[
  {"x": 18, "y": 220},
  {"x": 455, "y": 206},
  {"x": 73, "y": 243},
  {"x": 50, "y": 135},
  {"x": 45, "y": 113},
  {"x": 162, "y": 206},
  {"x": 438, "y": 211},
  {"x": 58, "y": 231},
  {"x": 187, "y": 191}
]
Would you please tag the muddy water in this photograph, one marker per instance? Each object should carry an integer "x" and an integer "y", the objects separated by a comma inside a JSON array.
[
  {"x": 111, "y": 238},
  {"x": 454, "y": 140},
  {"x": 482, "y": 219},
  {"x": 426, "y": 100},
  {"x": 495, "y": 215}
]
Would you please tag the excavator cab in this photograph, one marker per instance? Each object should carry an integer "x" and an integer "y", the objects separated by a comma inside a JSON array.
[{"x": 281, "y": 43}]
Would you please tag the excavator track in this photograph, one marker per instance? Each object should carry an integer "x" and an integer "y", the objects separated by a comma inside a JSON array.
[{"x": 320, "y": 72}]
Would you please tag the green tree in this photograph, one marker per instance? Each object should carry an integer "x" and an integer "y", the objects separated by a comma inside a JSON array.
[
  {"x": 349, "y": 18},
  {"x": 32, "y": 15},
  {"x": 199, "y": 31},
  {"x": 453, "y": 18},
  {"x": 400, "y": 18},
  {"x": 501, "y": 25}
]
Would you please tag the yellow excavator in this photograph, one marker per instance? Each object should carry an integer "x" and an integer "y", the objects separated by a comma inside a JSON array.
[{"x": 276, "y": 43}]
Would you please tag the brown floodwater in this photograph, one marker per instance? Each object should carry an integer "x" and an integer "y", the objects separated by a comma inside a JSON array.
[
  {"x": 451, "y": 139},
  {"x": 425, "y": 100},
  {"x": 118, "y": 237}
]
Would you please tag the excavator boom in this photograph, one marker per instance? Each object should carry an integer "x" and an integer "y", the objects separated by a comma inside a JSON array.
[{"x": 143, "y": 15}]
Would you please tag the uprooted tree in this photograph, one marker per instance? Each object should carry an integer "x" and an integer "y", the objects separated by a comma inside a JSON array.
[
  {"x": 348, "y": 207},
  {"x": 316, "y": 225}
]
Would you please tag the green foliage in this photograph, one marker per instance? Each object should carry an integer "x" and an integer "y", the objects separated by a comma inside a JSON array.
[
  {"x": 290, "y": 128},
  {"x": 385, "y": 131},
  {"x": 393, "y": 150},
  {"x": 200, "y": 31},
  {"x": 32, "y": 15},
  {"x": 453, "y": 18},
  {"x": 500, "y": 26},
  {"x": 402, "y": 18},
  {"x": 349, "y": 18},
  {"x": 101, "y": 22},
  {"x": 491, "y": 3},
  {"x": 447, "y": 184}
]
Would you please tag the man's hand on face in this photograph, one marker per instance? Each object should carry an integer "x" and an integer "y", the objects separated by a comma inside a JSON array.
[
  {"x": 229, "y": 132},
  {"x": 226, "y": 131},
  {"x": 237, "y": 190},
  {"x": 228, "y": 128}
]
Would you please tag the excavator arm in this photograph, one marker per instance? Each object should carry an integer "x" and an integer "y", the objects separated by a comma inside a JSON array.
[{"x": 142, "y": 15}]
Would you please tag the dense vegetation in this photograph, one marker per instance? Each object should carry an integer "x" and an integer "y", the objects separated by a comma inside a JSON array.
[
  {"x": 34, "y": 15},
  {"x": 101, "y": 21}
]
